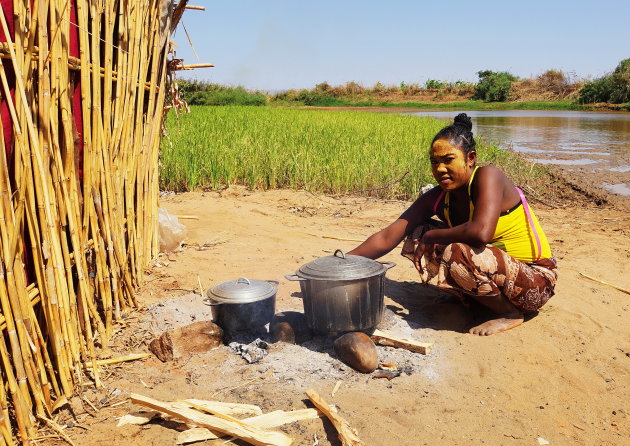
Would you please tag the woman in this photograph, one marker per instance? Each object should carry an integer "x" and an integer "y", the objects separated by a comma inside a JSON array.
[{"x": 488, "y": 246}]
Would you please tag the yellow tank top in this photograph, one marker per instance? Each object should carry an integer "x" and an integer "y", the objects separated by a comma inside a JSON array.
[{"x": 513, "y": 233}]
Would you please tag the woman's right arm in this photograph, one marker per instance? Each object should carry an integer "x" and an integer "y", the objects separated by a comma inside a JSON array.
[{"x": 382, "y": 242}]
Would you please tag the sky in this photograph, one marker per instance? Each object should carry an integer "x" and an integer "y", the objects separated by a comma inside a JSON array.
[{"x": 275, "y": 45}]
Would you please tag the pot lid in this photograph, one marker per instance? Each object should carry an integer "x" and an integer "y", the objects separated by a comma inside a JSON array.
[
  {"x": 340, "y": 266},
  {"x": 242, "y": 290}
]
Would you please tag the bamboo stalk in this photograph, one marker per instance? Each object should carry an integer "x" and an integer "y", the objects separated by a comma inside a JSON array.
[
  {"x": 131, "y": 357},
  {"x": 89, "y": 238},
  {"x": 192, "y": 66}
]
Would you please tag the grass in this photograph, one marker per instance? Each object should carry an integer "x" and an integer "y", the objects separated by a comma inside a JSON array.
[{"x": 322, "y": 151}]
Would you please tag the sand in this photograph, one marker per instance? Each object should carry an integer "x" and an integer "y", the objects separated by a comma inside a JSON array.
[{"x": 563, "y": 376}]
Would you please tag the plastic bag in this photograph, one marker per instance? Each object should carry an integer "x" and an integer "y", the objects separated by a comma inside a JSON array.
[{"x": 172, "y": 232}]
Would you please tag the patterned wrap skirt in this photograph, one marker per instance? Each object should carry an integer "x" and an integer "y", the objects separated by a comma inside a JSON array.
[{"x": 464, "y": 271}]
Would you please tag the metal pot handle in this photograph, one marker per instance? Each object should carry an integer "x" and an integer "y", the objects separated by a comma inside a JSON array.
[
  {"x": 343, "y": 254},
  {"x": 243, "y": 280},
  {"x": 273, "y": 282},
  {"x": 294, "y": 277},
  {"x": 388, "y": 265},
  {"x": 210, "y": 302}
]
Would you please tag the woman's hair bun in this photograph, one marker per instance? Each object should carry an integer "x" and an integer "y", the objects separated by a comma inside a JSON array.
[{"x": 463, "y": 120}]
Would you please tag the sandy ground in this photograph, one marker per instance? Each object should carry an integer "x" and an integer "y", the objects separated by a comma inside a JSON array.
[{"x": 563, "y": 376}]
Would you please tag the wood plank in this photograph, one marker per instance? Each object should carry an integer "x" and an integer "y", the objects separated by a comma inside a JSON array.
[
  {"x": 388, "y": 339},
  {"x": 226, "y": 408},
  {"x": 242, "y": 430},
  {"x": 347, "y": 435},
  {"x": 265, "y": 421},
  {"x": 280, "y": 418},
  {"x": 195, "y": 434},
  {"x": 137, "y": 418}
]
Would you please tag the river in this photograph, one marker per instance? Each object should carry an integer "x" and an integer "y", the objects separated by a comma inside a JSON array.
[{"x": 590, "y": 145}]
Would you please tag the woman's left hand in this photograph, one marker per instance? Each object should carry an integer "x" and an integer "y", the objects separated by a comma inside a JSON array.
[{"x": 421, "y": 249}]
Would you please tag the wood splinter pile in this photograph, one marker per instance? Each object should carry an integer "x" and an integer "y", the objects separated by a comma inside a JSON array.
[
  {"x": 208, "y": 420},
  {"x": 82, "y": 93}
]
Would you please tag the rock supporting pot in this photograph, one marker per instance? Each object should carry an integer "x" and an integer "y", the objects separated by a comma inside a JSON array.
[{"x": 342, "y": 292}]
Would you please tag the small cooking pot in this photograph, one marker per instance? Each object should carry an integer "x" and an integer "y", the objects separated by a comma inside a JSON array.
[
  {"x": 342, "y": 292},
  {"x": 243, "y": 304}
]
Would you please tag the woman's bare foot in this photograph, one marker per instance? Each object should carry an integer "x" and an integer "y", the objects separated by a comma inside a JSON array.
[{"x": 503, "y": 323}]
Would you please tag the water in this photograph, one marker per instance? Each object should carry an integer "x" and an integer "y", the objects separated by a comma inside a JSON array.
[{"x": 594, "y": 144}]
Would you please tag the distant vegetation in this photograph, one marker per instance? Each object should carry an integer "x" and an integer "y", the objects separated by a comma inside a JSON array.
[
  {"x": 379, "y": 154},
  {"x": 205, "y": 93},
  {"x": 553, "y": 89},
  {"x": 494, "y": 87},
  {"x": 613, "y": 88}
]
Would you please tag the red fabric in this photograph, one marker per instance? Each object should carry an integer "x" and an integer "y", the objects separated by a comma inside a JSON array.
[
  {"x": 7, "y": 123},
  {"x": 5, "y": 115},
  {"x": 77, "y": 110}
]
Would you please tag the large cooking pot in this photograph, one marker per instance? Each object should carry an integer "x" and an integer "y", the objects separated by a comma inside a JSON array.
[
  {"x": 342, "y": 292},
  {"x": 243, "y": 304}
]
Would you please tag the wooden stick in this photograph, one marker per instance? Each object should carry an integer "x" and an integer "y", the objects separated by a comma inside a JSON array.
[
  {"x": 245, "y": 432},
  {"x": 132, "y": 357},
  {"x": 391, "y": 340},
  {"x": 188, "y": 217},
  {"x": 342, "y": 239},
  {"x": 192, "y": 66},
  {"x": 623, "y": 290},
  {"x": 334, "y": 390},
  {"x": 347, "y": 435},
  {"x": 54, "y": 426}
]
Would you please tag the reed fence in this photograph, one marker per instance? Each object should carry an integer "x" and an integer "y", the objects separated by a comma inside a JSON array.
[{"x": 82, "y": 100}]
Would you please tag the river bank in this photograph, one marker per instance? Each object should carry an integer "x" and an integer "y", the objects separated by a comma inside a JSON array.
[
  {"x": 477, "y": 105},
  {"x": 467, "y": 105}
]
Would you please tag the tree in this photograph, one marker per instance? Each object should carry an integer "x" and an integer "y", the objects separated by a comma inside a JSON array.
[
  {"x": 494, "y": 86},
  {"x": 433, "y": 84},
  {"x": 613, "y": 88}
]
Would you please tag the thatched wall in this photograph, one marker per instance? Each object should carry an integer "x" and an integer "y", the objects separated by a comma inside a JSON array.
[{"x": 81, "y": 89}]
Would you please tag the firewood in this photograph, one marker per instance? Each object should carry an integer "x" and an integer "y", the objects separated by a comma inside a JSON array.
[
  {"x": 347, "y": 435},
  {"x": 265, "y": 421},
  {"x": 241, "y": 430},
  {"x": 391, "y": 340},
  {"x": 195, "y": 434},
  {"x": 137, "y": 418},
  {"x": 227, "y": 408}
]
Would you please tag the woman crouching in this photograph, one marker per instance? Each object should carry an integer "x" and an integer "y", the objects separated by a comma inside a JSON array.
[{"x": 488, "y": 245}]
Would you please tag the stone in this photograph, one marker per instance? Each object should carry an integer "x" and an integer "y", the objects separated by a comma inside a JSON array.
[
  {"x": 358, "y": 351},
  {"x": 197, "y": 337},
  {"x": 290, "y": 327}
]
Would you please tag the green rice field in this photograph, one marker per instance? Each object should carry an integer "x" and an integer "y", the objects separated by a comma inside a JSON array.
[{"x": 334, "y": 152}]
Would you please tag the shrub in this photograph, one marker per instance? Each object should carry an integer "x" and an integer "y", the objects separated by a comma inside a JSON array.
[
  {"x": 599, "y": 90},
  {"x": 494, "y": 87},
  {"x": 196, "y": 92},
  {"x": 461, "y": 88},
  {"x": 324, "y": 87},
  {"x": 317, "y": 98},
  {"x": 378, "y": 88},
  {"x": 613, "y": 88},
  {"x": 554, "y": 81},
  {"x": 432, "y": 84}
]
